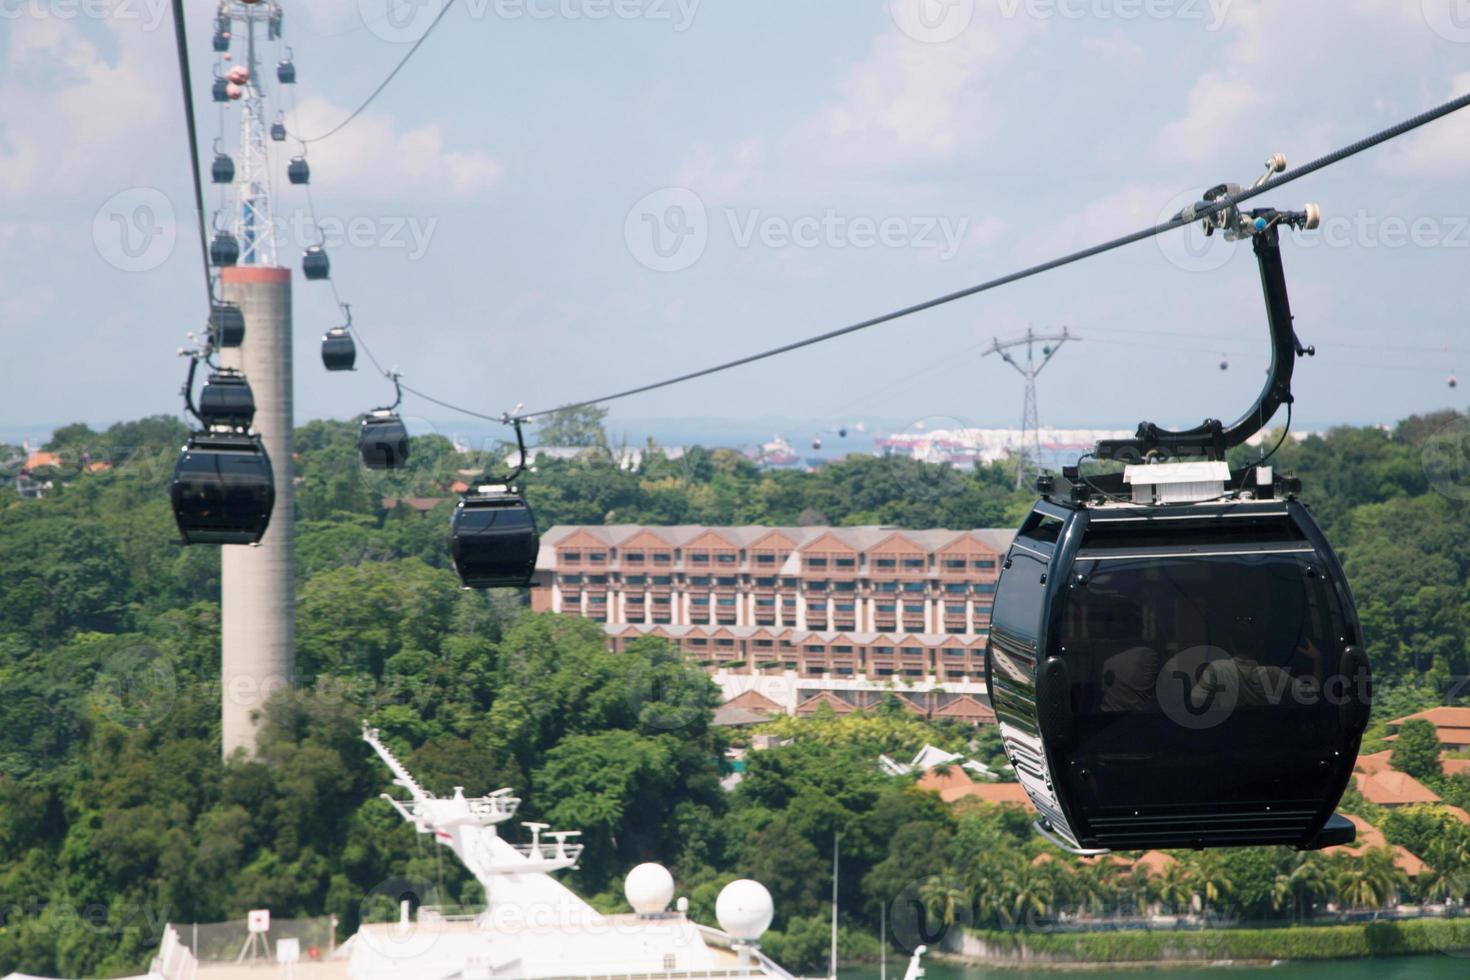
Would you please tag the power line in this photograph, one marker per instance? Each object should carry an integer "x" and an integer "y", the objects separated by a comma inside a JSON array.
[
  {"x": 391, "y": 75},
  {"x": 181, "y": 42},
  {"x": 1179, "y": 221}
]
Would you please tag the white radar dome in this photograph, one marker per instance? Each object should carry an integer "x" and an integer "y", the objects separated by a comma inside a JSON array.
[
  {"x": 745, "y": 909},
  {"x": 649, "y": 888}
]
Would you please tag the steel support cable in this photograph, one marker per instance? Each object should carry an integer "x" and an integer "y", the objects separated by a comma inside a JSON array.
[
  {"x": 185, "y": 78},
  {"x": 1179, "y": 221},
  {"x": 384, "y": 84}
]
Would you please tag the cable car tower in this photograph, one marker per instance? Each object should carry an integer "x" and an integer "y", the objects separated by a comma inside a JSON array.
[
  {"x": 252, "y": 219},
  {"x": 1029, "y": 456}
]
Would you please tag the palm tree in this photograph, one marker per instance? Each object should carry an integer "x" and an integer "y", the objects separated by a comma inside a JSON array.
[
  {"x": 1210, "y": 878},
  {"x": 943, "y": 895},
  {"x": 1304, "y": 879},
  {"x": 1172, "y": 888},
  {"x": 1095, "y": 888},
  {"x": 1033, "y": 891},
  {"x": 1372, "y": 880}
]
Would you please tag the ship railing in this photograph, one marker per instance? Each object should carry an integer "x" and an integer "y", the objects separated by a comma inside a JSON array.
[
  {"x": 550, "y": 852},
  {"x": 723, "y": 940}
]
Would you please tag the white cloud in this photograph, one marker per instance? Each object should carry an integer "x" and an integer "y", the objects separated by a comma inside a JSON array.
[
  {"x": 1219, "y": 108},
  {"x": 1441, "y": 149},
  {"x": 372, "y": 158}
]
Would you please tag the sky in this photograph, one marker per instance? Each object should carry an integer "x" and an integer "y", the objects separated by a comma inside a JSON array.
[{"x": 561, "y": 198}]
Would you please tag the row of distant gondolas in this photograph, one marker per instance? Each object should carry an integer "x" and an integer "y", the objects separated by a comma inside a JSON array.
[{"x": 224, "y": 486}]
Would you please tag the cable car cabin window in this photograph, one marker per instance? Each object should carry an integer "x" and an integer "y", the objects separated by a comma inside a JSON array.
[{"x": 1199, "y": 681}]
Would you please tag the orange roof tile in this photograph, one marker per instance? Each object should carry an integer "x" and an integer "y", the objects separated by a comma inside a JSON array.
[
  {"x": 37, "y": 460},
  {"x": 1007, "y": 793},
  {"x": 1454, "y": 767},
  {"x": 1459, "y": 814},
  {"x": 1442, "y": 717},
  {"x": 1375, "y": 763},
  {"x": 1154, "y": 862},
  {"x": 950, "y": 782},
  {"x": 1390, "y": 788},
  {"x": 754, "y": 700}
]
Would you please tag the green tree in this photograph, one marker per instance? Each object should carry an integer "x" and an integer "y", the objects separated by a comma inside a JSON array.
[
  {"x": 573, "y": 427},
  {"x": 1416, "y": 751}
]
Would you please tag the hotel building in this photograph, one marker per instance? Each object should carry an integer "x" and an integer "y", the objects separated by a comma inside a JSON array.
[{"x": 797, "y": 615}]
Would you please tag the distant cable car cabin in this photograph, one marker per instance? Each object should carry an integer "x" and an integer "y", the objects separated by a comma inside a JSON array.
[
  {"x": 224, "y": 250},
  {"x": 339, "y": 351},
  {"x": 227, "y": 325},
  {"x": 286, "y": 71},
  {"x": 222, "y": 171},
  {"x": 297, "y": 171},
  {"x": 382, "y": 440},
  {"x": 315, "y": 265},
  {"x": 226, "y": 400},
  {"x": 220, "y": 91},
  {"x": 493, "y": 538},
  {"x": 1174, "y": 656},
  {"x": 278, "y": 131},
  {"x": 223, "y": 489}
]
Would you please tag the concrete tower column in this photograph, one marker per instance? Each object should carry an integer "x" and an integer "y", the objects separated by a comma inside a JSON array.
[{"x": 258, "y": 614}]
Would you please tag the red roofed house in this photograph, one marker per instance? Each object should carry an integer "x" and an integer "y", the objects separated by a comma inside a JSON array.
[
  {"x": 1454, "y": 767},
  {"x": 1451, "y": 724},
  {"x": 1391, "y": 788},
  {"x": 1370, "y": 836}
]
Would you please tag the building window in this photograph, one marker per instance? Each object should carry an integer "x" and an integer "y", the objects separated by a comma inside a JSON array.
[
  {"x": 913, "y": 586},
  {"x": 635, "y": 579},
  {"x": 633, "y": 557},
  {"x": 765, "y": 583},
  {"x": 596, "y": 556},
  {"x": 985, "y": 563},
  {"x": 844, "y": 586},
  {"x": 571, "y": 580},
  {"x": 846, "y": 563},
  {"x": 816, "y": 563},
  {"x": 954, "y": 588},
  {"x": 727, "y": 581},
  {"x": 662, "y": 557},
  {"x": 727, "y": 600},
  {"x": 885, "y": 586},
  {"x": 726, "y": 558},
  {"x": 660, "y": 600},
  {"x": 699, "y": 600},
  {"x": 915, "y": 563},
  {"x": 663, "y": 580},
  {"x": 985, "y": 587},
  {"x": 699, "y": 557},
  {"x": 700, "y": 581},
  {"x": 954, "y": 564},
  {"x": 885, "y": 563},
  {"x": 764, "y": 558}
]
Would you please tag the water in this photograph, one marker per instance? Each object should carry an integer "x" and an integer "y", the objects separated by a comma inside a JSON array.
[{"x": 1394, "y": 968}]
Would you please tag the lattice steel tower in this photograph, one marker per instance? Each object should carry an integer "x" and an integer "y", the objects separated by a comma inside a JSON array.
[
  {"x": 252, "y": 219},
  {"x": 1028, "y": 460}
]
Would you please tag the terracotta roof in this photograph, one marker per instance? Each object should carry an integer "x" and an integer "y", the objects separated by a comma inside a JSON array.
[
  {"x": 1008, "y": 793},
  {"x": 754, "y": 700},
  {"x": 37, "y": 460},
  {"x": 729, "y": 716},
  {"x": 1375, "y": 763},
  {"x": 967, "y": 708},
  {"x": 1390, "y": 788},
  {"x": 950, "y": 782},
  {"x": 98, "y": 466},
  {"x": 1459, "y": 814},
  {"x": 839, "y": 706},
  {"x": 1442, "y": 717},
  {"x": 1154, "y": 862},
  {"x": 1454, "y": 767},
  {"x": 1370, "y": 836}
]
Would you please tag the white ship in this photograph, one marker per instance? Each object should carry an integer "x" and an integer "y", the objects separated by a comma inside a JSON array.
[{"x": 532, "y": 928}]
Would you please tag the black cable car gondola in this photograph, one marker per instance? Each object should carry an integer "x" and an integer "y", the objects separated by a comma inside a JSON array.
[
  {"x": 339, "y": 352},
  {"x": 297, "y": 171},
  {"x": 223, "y": 488},
  {"x": 222, "y": 171},
  {"x": 286, "y": 70},
  {"x": 220, "y": 91},
  {"x": 493, "y": 537},
  {"x": 222, "y": 40},
  {"x": 224, "y": 251},
  {"x": 226, "y": 401},
  {"x": 226, "y": 325},
  {"x": 1174, "y": 657},
  {"x": 278, "y": 130},
  {"x": 382, "y": 440},
  {"x": 314, "y": 264}
]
